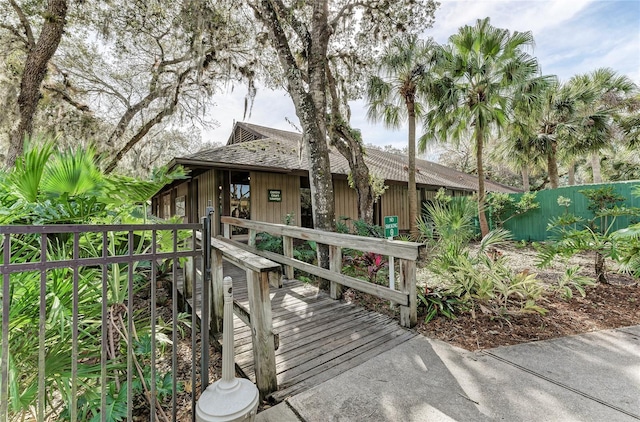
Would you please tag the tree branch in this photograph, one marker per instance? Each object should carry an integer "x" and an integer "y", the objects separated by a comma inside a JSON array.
[
  {"x": 31, "y": 41},
  {"x": 149, "y": 125},
  {"x": 132, "y": 111},
  {"x": 281, "y": 44},
  {"x": 299, "y": 27},
  {"x": 17, "y": 34},
  {"x": 345, "y": 9},
  {"x": 67, "y": 97}
]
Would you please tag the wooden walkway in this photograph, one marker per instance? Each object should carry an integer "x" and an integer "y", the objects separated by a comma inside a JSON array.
[{"x": 320, "y": 338}]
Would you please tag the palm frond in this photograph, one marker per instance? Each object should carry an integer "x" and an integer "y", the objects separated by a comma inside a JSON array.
[{"x": 27, "y": 174}]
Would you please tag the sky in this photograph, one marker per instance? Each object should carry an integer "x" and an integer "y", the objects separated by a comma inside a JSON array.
[{"x": 571, "y": 37}]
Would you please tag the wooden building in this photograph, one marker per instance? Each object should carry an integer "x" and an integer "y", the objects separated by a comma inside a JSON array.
[{"x": 262, "y": 174}]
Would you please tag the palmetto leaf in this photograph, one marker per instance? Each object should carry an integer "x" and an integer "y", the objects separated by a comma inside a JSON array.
[
  {"x": 27, "y": 173},
  {"x": 72, "y": 173}
]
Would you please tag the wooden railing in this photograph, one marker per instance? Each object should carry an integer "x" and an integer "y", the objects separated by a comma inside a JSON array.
[
  {"x": 260, "y": 273},
  {"x": 406, "y": 252}
]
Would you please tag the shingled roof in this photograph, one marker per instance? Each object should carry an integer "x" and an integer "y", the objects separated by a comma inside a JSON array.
[{"x": 262, "y": 148}]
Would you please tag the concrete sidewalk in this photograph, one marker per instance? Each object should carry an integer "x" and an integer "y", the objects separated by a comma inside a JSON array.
[{"x": 589, "y": 377}]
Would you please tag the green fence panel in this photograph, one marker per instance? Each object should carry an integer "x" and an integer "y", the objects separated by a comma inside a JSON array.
[{"x": 532, "y": 226}]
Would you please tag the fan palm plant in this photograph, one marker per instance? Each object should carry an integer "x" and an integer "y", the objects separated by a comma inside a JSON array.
[
  {"x": 480, "y": 74},
  {"x": 48, "y": 186},
  {"x": 397, "y": 93},
  {"x": 599, "y": 112}
]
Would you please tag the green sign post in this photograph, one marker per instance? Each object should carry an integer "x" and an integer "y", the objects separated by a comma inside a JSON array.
[
  {"x": 391, "y": 230},
  {"x": 391, "y": 226}
]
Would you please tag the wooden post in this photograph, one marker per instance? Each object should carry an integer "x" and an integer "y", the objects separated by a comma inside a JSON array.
[
  {"x": 217, "y": 291},
  {"x": 408, "y": 314},
  {"x": 275, "y": 279},
  {"x": 252, "y": 238},
  {"x": 264, "y": 354},
  {"x": 287, "y": 247},
  {"x": 335, "y": 264},
  {"x": 227, "y": 230},
  {"x": 188, "y": 281}
]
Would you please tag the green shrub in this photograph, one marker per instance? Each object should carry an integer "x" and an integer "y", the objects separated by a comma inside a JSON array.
[
  {"x": 48, "y": 186},
  {"x": 478, "y": 280},
  {"x": 573, "y": 234}
]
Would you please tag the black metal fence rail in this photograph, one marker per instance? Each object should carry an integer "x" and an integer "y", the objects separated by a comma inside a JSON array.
[{"x": 99, "y": 239}]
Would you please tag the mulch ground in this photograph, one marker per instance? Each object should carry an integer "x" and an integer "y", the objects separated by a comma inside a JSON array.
[{"x": 605, "y": 306}]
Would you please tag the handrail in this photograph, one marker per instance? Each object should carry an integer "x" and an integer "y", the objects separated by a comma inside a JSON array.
[
  {"x": 260, "y": 273},
  {"x": 407, "y": 252},
  {"x": 364, "y": 286},
  {"x": 396, "y": 248}
]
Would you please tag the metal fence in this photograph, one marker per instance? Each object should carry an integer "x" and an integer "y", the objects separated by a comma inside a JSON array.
[
  {"x": 76, "y": 343},
  {"x": 532, "y": 226}
]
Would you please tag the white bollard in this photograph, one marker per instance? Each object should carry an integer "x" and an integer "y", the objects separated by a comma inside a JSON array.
[{"x": 229, "y": 399}]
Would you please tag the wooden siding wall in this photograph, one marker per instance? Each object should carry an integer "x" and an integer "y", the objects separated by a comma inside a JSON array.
[
  {"x": 395, "y": 201},
  {"x": 345, "y": 199},
  {"x": 275, "y": 212},
  {"x": 428, "y": 195},
  {"x": 165, "y": 205},
  {"x": 208, "y": 191},
  {"x": 182, "y": 190}
]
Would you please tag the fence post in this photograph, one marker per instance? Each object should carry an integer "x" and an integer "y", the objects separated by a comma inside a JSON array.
[
  {"x": 207, "y": 301},
  {"x": 264, "y": 354},
  {"x": 287, "y": 248},
  {"x": 335, "y": 264},
  {"x": 252, "y": 237},
  {"x": 217, "y": 291},
  {"x": 408, "y": 314}
]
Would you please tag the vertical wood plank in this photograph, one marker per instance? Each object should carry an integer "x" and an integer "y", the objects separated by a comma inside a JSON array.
[
  {"x": 287, "y": 246},
  {"x": 335, "y": 264},
  {"x": 217, "y": 291},
  {"x": 408, "y": 314},
  {"x": 188, "y": 279},
  {"x": 252, "y": 237},
  {"x": 264, "y": 355},
  {"x": 275, "y": 279}
]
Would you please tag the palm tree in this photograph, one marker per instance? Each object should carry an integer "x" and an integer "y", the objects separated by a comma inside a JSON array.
[
  {"x": 545, "y": 124},
  {"x": 396, "y": 96},
  {"x": 599, "y": 112},
  {"x": 515, "y": 150},
  {"x": 481, "y": 73}
]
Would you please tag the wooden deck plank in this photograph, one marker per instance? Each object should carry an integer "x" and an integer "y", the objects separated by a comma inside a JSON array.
[
  {"x": 309, "y": 343},
  {"x": 291, "y": 339},
  {"x": 284, "y": 392},
  {"x": 320, "y": 338},
  {"x": 292, "y": 368}
]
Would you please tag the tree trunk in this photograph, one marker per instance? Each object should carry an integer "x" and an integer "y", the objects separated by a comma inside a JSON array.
[
  {"x": 413, "y": 193},
  {"x": 484, "y": 226},
  {"x": 35, "y": 69},
  {"x": 525, "y": 179},
  {"x": 571, "y": 174},
  {"x": 310, "y": 104},
  {"x": 350, "y": 146},
  {"x": 595, "y": 167},
  {"x": 600, "y": 268},
  {"x": 552, "y": 167},
  {"x": 351, "y": 149}
]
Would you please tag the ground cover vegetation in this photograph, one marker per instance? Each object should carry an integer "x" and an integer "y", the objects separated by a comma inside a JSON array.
[
  {"x": 52, "y": 186},
  {"x": 481, "y": 292}
]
